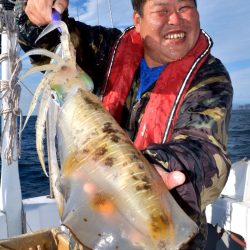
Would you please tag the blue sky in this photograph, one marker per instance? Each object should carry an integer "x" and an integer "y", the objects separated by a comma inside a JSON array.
[{"x": 226, "y": 21}]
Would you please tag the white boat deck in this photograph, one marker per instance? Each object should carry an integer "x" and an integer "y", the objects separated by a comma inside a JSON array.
[{"x": 39, "y": 213}]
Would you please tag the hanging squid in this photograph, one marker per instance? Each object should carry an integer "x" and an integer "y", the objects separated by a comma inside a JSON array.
[{"x": 108, "y": 195}]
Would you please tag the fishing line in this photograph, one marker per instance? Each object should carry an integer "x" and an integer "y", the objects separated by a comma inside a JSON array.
[
  {"x": 77, "y": 11},
  {"x": 97, "y": 9},
  {"x": 110, "y": 13},
  {"x": 27, "y": 88}
]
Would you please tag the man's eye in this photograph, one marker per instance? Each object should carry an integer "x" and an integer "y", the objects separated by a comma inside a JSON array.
[
  {"x": 161, "y": 12},
  {"x": 184, "y": 8}
]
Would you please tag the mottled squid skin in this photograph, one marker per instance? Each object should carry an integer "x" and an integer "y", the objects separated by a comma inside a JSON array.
[
  {"x": 108, "y": 195},
  {"x": 114, "y": 199}
]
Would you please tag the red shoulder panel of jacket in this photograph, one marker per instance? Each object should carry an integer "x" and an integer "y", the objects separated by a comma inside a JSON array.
[{"x": 162, "y": 109}]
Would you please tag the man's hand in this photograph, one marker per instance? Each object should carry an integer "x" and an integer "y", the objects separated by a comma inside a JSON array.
[
  {"x": 39, "y": 11},
  {"x": 172, "y": 179}
]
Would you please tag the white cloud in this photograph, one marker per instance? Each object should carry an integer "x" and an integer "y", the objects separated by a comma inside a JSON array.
[
  {"x": 100, "y": 12},
  {"x": 226, "y": 21}
]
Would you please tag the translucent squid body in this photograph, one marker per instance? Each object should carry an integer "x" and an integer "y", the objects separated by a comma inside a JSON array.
[{"x": 108, "y": 195}]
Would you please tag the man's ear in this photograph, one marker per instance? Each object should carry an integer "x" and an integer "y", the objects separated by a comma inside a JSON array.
[{"x": 137, "y": 21}]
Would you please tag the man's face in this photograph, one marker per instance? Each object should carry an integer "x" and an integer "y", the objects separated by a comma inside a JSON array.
[{"x": 169, "y": 29}]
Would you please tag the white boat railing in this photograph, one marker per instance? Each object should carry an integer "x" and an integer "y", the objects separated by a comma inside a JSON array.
[{"x": 232, "y": 210}]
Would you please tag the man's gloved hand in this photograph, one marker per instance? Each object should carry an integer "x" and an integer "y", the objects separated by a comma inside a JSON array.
[{"x": 40, "y": 11}]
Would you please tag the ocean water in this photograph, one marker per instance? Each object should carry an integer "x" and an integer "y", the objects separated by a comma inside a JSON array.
[
  {"x": 239, "y": 135},
  {"x": 35, "y": 183}
]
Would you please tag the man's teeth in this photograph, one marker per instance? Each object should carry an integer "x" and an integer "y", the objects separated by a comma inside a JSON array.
[{"x": 175, "y": 36}]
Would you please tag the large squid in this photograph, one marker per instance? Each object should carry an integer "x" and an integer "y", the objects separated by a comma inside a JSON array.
[{"x": 108, "y": 195}]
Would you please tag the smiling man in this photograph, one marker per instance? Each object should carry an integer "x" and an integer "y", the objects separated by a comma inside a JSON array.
[
  {"x": 161, "y": 83},
  {"x": 169, "y": 29}
]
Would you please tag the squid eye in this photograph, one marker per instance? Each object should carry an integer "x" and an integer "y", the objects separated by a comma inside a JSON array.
[{"x": 55, "y": 98}]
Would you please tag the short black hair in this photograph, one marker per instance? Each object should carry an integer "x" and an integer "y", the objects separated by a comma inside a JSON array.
[{"x": 138, "y": 5}]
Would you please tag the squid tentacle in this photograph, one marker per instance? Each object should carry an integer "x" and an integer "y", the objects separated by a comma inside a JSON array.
[
  {"x": 43, "y": 52},
  {"x": 47, "y": 67},
  {"x": 52, "y": 154},
  {"x": 40, "y": 125},
  {"x": 65, "y": 37},
  {"x": 34, "y": 101}
]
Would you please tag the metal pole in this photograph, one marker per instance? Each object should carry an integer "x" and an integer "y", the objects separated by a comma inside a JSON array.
[{"x": 10, "y": 189}]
